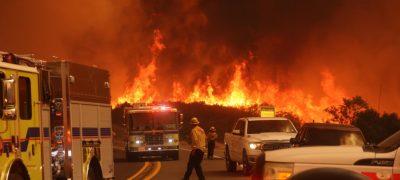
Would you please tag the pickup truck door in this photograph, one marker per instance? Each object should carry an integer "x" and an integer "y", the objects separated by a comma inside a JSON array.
[{"x": 237, "y": 138}]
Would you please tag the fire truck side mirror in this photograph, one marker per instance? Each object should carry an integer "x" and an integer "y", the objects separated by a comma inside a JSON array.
[
  {"x": 9, "y": 98},
  {"x": 180, "y": 120}
]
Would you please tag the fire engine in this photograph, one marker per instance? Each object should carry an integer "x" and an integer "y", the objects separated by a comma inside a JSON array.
[
  {"x": 152, "y": 131},
  {"x": 55, "y": 120}
]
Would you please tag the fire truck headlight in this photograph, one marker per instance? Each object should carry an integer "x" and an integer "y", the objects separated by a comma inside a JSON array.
[
  {"x": 170, "y": 140},
  {"x": 137, "y": 141}
]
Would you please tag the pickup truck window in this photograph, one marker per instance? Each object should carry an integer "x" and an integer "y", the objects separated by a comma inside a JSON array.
[
  {"x": 240, "y": 127},
  {"x": 256, "y": 127},
  {"x": 332, "y": 137},
  {"x": 389, "y": 144}
]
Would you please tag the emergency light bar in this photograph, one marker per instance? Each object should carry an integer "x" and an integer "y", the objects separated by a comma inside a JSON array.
[{"x": 267, "y": 111}]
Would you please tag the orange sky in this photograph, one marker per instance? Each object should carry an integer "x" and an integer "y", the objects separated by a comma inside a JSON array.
[{"x": 288, "y": 44}]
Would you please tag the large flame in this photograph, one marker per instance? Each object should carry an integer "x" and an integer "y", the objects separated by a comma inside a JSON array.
[
  {"x": 142, "y": 89},
  {"x": 239, "y": 92}
]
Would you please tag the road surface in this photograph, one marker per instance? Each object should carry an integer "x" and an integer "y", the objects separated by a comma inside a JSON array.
[{"x": 174, "y": 170}]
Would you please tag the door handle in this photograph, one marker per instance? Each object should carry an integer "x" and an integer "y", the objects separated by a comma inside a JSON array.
[{"x": 33, "y": 149}]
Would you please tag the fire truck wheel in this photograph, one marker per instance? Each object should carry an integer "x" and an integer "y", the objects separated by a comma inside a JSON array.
[
  {"x": 18, "y": 171},
  {"x": 15, "y": 176},
  {"x": 95, "y": 170},
  {"x": 131, "y": 157},
  {"x": 175, "y": 155}
]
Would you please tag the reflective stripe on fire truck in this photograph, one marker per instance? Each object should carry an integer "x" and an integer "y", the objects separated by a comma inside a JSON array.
[
  {"x": 46, "y": 132},
  {"x": 105, "y": 132},
  {"x": 33, "y": 133},
  {"x": 91, "y": 132}
]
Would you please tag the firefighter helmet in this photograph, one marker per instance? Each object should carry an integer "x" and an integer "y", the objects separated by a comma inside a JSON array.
[{"x": 194, "y": 120}]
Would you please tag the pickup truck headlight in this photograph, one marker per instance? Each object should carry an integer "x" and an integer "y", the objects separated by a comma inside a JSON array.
[
  {"x": 278, "y": 170},
  {"x": 255, "y": 145}
]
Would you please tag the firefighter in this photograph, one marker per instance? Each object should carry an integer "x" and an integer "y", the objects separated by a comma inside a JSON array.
[
  {"x": 211, "y": 137},
  {"x": 198, "y": 144}
]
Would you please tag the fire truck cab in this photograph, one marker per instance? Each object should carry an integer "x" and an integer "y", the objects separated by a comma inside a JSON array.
[
  {"x": 55, "y": 120},
  {"x": 152, "y": 131}
]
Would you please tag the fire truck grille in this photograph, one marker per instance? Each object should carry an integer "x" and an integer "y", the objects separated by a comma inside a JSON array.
[
  {"x": 269, "y": 147},
  {"x": 153, "y": 139}
]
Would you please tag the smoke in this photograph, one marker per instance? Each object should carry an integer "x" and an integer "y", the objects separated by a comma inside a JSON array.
[{"x": 286, "y": 42}]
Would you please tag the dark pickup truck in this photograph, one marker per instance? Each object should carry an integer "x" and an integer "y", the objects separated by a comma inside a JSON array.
[{"x": 324, "y": 134}]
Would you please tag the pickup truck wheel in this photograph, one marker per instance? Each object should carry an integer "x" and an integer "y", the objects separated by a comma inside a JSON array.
[
  {"x": 230, "y": 165},
  {"x": 246, "y": 164}
]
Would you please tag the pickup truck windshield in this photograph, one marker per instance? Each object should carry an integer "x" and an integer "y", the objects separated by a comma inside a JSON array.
[
  {"x": 255, "y": 127},
  {"x": 332, "y": 137}
]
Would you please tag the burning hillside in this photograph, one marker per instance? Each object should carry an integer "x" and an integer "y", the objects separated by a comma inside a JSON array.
[{"x": 238, "y": 92}]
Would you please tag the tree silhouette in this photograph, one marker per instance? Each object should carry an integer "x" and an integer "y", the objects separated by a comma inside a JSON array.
[
  {"x": 347, "y": 112},
  {"x": 375, "y": 127},
  {"x": 355, "y": 111}
]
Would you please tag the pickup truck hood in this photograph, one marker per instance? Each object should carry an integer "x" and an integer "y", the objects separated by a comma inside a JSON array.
[
  {"x": 275, "y": 136},
  {"x": 319, "y": 154}
]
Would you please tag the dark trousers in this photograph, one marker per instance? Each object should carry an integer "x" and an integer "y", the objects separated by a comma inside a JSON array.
[
  {"x": 195, "y": 158},
  {"x": 211, "y": 146}
]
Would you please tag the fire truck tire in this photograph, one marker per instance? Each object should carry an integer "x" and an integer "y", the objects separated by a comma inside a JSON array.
[
  {"x": 175, "y": 155},
  {"x": 14, "y": 176},
  {"x": 18, "y": 171},
  {"x": 131, "y": 156},
  {"x": 94, "y": 172}
]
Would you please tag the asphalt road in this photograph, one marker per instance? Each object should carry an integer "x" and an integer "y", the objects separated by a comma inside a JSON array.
[
  {"x": 124, "y": 169},
  {"x": 174, "y": 170}
]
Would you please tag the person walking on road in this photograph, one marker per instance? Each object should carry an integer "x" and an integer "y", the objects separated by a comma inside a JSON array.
[
  {"x": 198, "y": 143},
  {"x": 211, "y": 137}
]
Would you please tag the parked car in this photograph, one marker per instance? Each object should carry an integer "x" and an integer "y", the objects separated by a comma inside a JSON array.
[{"x": 324, "y": 134}]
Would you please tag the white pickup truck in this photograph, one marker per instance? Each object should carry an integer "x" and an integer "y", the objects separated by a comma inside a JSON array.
[
  {"x": 251, "y": 136},
  {"x": 380, "y": 162}
]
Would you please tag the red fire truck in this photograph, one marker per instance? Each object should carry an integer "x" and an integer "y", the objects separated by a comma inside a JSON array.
[
  {"x": 55, "y": 120},
  {"x": 152, "y": 131}
]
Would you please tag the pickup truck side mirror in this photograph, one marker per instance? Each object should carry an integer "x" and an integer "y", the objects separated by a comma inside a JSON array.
[
  {"x": 369, "y": 146},
  {"x": 236, "y": 132}
]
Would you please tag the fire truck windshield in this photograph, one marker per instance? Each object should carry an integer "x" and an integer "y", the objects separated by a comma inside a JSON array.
[{"x": 144, "y": 121}]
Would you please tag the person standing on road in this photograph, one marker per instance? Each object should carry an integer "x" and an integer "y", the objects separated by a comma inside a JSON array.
[
  {"x": 211, "y": 137},
  {"x": 198, "y": 143}
]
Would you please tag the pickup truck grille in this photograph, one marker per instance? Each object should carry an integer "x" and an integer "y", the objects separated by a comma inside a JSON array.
[
  {"x": 269, "y": 147},
  {"x": 153, "y": 139}
]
